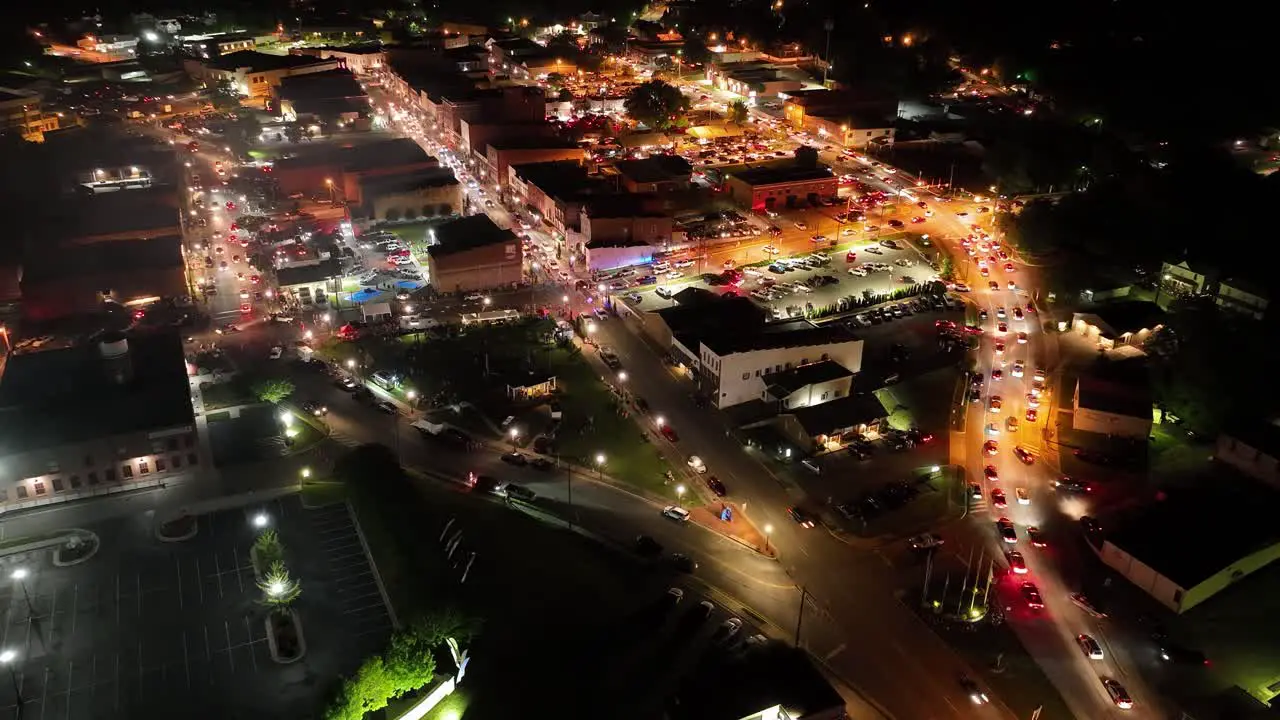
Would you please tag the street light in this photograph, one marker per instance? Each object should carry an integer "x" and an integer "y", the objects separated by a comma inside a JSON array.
[
  {"x": 277, "y": 588},
  {"x": 261, "y": 520},
  {"x": 622, "y": 376},
  {"x": 351, "y": 364},
  {"x": 515, "y": 436},
  {"x": 20, "y": 574},
  {"x": 7, "y": 658},
  {"x": 768, "y": 530},
  {"x": 660, "y": 421},
  {"x": 680, "y": 491},
  {"x": 305, "y": 472},
  {"x": 600, "y": 464}
]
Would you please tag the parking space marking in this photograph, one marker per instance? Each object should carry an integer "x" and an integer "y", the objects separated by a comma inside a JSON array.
[
  {"x": 253, "y": 656},
  {"x": 117, "y": 599},
  {"x": 230, "y": 660},
  {"x": 177, "y": 566},
  {"x": 75, "y": 609},
  {"x": 239, "y": 575},
  {"x": 138, "y": 576},
  {"x": 217, "y": 573},
  {"x": 71, "y": 673},
  {"x": 200, "y": 580},
  {"x": 208, "y": 652},
  {"x": 116, "y": 684}
]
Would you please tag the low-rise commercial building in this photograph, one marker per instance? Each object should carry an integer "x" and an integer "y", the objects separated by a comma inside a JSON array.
[
  {"x": 1238, "y": 292},
  {"x": 309, "y": 282},
  {"x": 95, "y": 419},
  {"x": 472, "y": 253},
  {"x": 831, "y": 423},
  {"x": 252, "y": 73},
  {"x": 1127, "y": 323},
  {"x": 1253, "y": 448},
  {"x": 343, "y": 168},
  {"x": 1195, "y": 543},
  {"x": 504, "y": 153},
  {"x": 852, "y": 130},
  {"x": 430, "y": 193},
  {"x": 654, "y": 174},
  {"x": 552, "y": 191},
  {"x": 81, "y": 279},
  {"x": 334, "y": 97},
  {"x": 778, "y": 187},
  {"x": 22, "y": 113},
  {"x": 754, "y": 79},
  {"x": 214, "y": 45},
  {"x": 359, "y": 59},
  {"x": 1110, "y": 406}
]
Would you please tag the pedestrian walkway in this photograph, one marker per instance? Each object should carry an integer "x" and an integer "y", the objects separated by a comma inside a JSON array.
[{"x": 738, "y": 528}]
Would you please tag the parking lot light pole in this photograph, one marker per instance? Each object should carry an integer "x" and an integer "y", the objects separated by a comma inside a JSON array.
[
  {"x": 768, "y": 530},
  {"x": 7, "y": 657},
  {"x": 600, "y": 464},
  {"x": 19, "y": 576}
]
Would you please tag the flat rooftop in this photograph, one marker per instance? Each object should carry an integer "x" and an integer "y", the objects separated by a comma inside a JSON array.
[
  {"x": 782, "y": 174},
  {"x": 262, "y": 62},
  {"x": 95, "y": 258},
  {"x": 52, "y": 397},
  {"x": 136, "y": 211},
  {"x": 558, "y": 178},
  {"x": 469, "y": 233},
  {"x": 413, "y": 180},
  {"x": 656, "y": 168},
  {"x": 1194, "y": 533},
  {"x": 732, "y": 686}
]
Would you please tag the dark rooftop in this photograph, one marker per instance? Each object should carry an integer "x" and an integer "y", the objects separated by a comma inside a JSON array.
[
  {"x": 403, "y": 182},
  {"x": 775, "y": 335},
  {"x": 845, "y": 412},
  {"x": 1195, "y": 533},
  {"x": 698, "y": 312},
  {"x": 558, "y": 178},
  {"x": 782, "y": 174},
  {"x": 731, "y": 686},
  {"x": 61, "y": 396},
  {"x": 397, "y": 152},
  {"x": 796, "y": 378},
  {"x": 1261, "y": 435},
  {"x": 303, "y": 274},
  {"x": 138, "y": 211},
  {"x": 1120, "y": 387},
  {"x": 326, "y": 85},
  {"x": 532, "y": 142},
  {"x": 46, "y": 263},
  {"x": 657, "y": 168},
  {"x": 469, "y": 233},
  {"x": 365, "y": 49},
  {"x": 621, "y": 205},
  {"x": 1128, "y": 315},
  {"x": 259, "y": 61}
]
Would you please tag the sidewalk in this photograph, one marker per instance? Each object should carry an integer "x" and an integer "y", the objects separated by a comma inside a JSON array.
[{"x": 740, "y": 529}]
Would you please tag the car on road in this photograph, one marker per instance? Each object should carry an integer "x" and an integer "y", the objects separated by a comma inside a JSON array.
[
  {"x": 541, "y": 463},
  {"x": 388, "y": 407},
  {"x": 315, "y": 409},
  {"x": 695, "y": 463},
  {"x": 1181, "y": 655},
  {"x": 991, "y": 474},
  {"x": 276, "y": 352},
  {"x": 1090, "y": 525},
  {"x": 346, "y": 383},
  {"x": 646, "y": 546},
  {"x": 801, "y": 225},
  {"x": 515, "y": 458},
  {"x": 975, "y": 491},
  {"x": 1082, "y": 601},
  {"x": 801, "y": 517},
  {"x": 1036, "y": 537},
  {"x": 991, "y": 447},
  {"x": 994, "y": 403},
  {"x": 1007, "y": 532},
  {"x": 1017, "y": 563},
  {"x": 1068, "y": 484},
  {"x": 677, "y": 513},
  {"x": 669, "y": 433},
  {"x": 1024, "y": 498},
  {"x": 1032, "y": 414},
  {"x": 925, "y": 541},
  {"x": 1031, "y": 594},
  {"x": 975, "y": 693},
  {"x": 717, "y": 487},
  {"x": 681, "y": 562},
  {"x": 1089, "y": 646},
  {"x": 1023, "y": 456},
  {"x": 1118, "y": 694},
  {"x": 998, "y": 500}
]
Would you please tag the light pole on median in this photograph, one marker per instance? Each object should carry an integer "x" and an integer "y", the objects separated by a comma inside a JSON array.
[
  {"x": 600, "y": 465},
  {"x": 7, "y": 658},
  {"x": 19, "y": 575},
  {"x": 768, "y": 530}
]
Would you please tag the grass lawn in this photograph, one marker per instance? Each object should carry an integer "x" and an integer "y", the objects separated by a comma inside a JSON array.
[
  {"x": 413, "y": 233},
  {"x": 318, "y": 493},
  {"x": 1173, "y": 457},
  {"x": 226, "y": 394},
  {"x": 592, "y": 425},
  {"x": 1238, "y": 632}
]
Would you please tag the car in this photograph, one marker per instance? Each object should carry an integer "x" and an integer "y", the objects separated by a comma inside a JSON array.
[
  {"x": 1036, "y": 537},
  {"x": 245, "y": 308},
  {"x": 1017, "y": 563},
  {"x": 917, "y": 220},
  {"x": 925, "y": 541},
  {"x": 276, "y": 352},
  {"x": 997, "y": 374},
  {"x": 673, "y": 596},
  {"x": 1090, "y": 525},
  {"x": 999, "y": 348},
  {"x": 991, "y": 447},
  {"x": 1069, "y": 484},
  {"x": 1118, "y": 694},
  {"x": 1002, "y": 328},
  {"x": 728, "y": 629},
  {"x": 388, "y": 407},
  {"x": 997, "y": 499},
  {"x": 1011, "y": 424},
  {"x": 1017, "y": 314},
  {"x": 802, "y": 518},
  {"x": 1031, "y": 594},
  {"x": 989, "y": 472},
  {"x": 677, "y": 513},
  {"x": 1180, "y": 655},
  {"x": 1025, "y": 457},
  {"x": 1007, "y": 532},
  {"x": 976, "y": 696},
  {"x": 1031, "y": 415},
  {"x": 646, "y": 546},
  {"x": 717, "y": 487},
  {"x": 1019, "y": 369},
  {"x": 770, "y": 249},
  {"x": 1011, "y": 285},
  {"x": 1082, "y": 601},
  {"x": 681, "y": 562},
  {"x": 346, "y": 383},
  {"x": 1022, "y": 338},
  {"x": 1089, "y": 646},
  {"x": 801, "y": 225},
  {"x": 984, "y": 271},
  {"x": 669, "y": 433},
  {"x": 975, "y": 491},
  {"x": 515, "y": 458},
  {"x": 818, "y": 239},
  {"x": 993, "y": 286},
  {"x": 994, "y": 403},
  {"x": 1024, "y": 498}
]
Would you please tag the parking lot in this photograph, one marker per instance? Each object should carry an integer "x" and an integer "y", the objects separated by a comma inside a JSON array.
[
  {"x": 147, "y": 629},
  {"x": 788, "y": 287}
]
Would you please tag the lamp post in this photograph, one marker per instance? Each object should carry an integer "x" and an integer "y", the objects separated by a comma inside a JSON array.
[
  {"x": 515, "y": 436},
  {"x": 261, "y": 520},
  {"x": 303, "y": 475},
  {"x": 19, "y": 576},
  {"x": 7, "y": 658},
  {"x": 600, "y": 464},
  {"x": 680, "y": 491},
  {"x": 412, "y": 397},
  {"x": 768, "y": 530}
]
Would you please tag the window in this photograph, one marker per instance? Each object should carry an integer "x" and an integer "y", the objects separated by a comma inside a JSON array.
[
  {"x": 126, "y": 471},
  {"x": 93, "y": 478},
  {"x": 110, "y": 474},
  {"x": 177, "y": 461},
  {"x": 757, "y": 373},
  {"x": 38, "y": 486},
  {"x": 88, "y": 461},
  {"x": 160, "y": 465},
  {"x": 57, "y": 483},
  {"x": 188, "y": 440},
  {"x": 22, "y": 492},
  {"x": 143, "y": 468},
  {"x": 824, "y": 396},
  {"x": 746, "y": 376},
  {"x": 172, "y": 443},
  {"x": 1177, "y": 594},
  {"x": 192, "y": 459}
]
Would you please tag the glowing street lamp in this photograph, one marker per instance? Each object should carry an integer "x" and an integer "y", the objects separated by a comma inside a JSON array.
[
  {"x": 7, "y": 658},
  {"x": 768, "y": 530},
  {"x": 351, "y": 364},
  {"x": 680, "y": 491},
  {"x": 261, "y": 520},
  {"x": 600, "y": 464}
]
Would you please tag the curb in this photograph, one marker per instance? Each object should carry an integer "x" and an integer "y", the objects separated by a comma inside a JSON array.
[
  {"x": 271, "y": 639},
  {"x": 88, "y": 535},
  {"x": 195, "y": 528}
]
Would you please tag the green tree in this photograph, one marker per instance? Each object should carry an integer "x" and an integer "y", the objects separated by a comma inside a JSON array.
[
  {"x": 393, "y": 214},
  {"x": 278, "y": 589},
  {"x": 806, "y": 156},
  {"x": 695, "y": 50},
  {"x": 268, "y": 549},
  {"x": 656, "y": 104},
  {"x": 293, "y": 132},
  {"x": 738, "y": 112},
  {"x": 273, "y": 391},
  {"x": 947, "y": 269}
]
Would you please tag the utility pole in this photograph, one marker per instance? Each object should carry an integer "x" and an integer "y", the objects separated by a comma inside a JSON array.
[
  {"x": 827, "y": 25},
  {"x": 804, "y": 594}
]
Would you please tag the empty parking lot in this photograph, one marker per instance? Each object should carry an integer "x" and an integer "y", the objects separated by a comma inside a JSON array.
[{"x": 149, "y": 629}]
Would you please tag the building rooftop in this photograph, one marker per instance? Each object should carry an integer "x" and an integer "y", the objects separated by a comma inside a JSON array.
[
  {"x": 1261, "y": 435},
  {"x": 558, "y": 178},
  {"x": 469, "y": 233},
  {"x": 533, "y": 143},
  {"x": 127, "y": 212},
  {"x": 66, "y": 395},
  {"x": 621, "y": 205},
  {"x": 1230, "y": 518},
  {"x": 307, "y": 274},
  {"x": 404, "y": 182},
  {"x": 264, "y": 62},
  {"x": 1128, "y": 315},
  {"x": 397, "y": 152},
  {"x": 363, "y": 49},
  {"x": 782, "y": 174},
  {"x": 70, "y": 261},
  {"x": 1113, "y": 397},
  {"x": 325, "y": 85},
  {"x": 732, "y": 686},
  {"x": 656, "y": 168},
  {"x": 789, "y": 381},
  {"x": 698, "y": 312},
  {"x": 841, "y": 413},
  {"x": 775, "y": 335}
]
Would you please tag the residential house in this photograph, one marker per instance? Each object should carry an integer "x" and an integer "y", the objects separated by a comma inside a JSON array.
[
  {"x": 1113, "y": 399},
  {"x": 1127, "y": 323},
  {"x": 1253, "y": 448}
]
